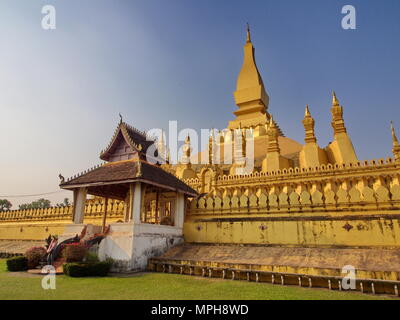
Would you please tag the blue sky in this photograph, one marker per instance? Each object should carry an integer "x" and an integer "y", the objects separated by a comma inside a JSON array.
[{"x": 154, "y": 61}]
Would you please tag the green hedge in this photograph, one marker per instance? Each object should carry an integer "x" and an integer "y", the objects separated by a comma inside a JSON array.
[
  {"x": 17, "y": 264},
  {"x": 96, "y": 269}
]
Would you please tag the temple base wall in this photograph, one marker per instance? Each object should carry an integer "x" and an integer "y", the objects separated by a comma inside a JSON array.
[
  {"x": 350, "y": 229},
  {"x": 31, "y": 231}
]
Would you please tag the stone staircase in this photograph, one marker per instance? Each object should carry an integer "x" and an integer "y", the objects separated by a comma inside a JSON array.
[{"x": 306, "y": 267}]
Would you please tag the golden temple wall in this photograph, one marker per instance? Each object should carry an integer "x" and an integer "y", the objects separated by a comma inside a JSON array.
[{"x": 354, "y": 205}]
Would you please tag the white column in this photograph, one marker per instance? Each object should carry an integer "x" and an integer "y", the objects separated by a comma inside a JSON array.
[
  {"x": 136, "y": 204},
  {"x": 79, "y": 205},
  {"x": 179, "y": 214}
]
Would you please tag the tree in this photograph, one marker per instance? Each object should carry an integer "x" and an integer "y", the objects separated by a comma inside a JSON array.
[
  {"x": 5, "y": 205},
  {"x": 39, "y": 204},
  {"x": 65, "y": 203}
]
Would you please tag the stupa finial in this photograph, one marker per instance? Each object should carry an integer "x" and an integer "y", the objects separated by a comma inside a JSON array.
[{"x": 248, "y": 38}]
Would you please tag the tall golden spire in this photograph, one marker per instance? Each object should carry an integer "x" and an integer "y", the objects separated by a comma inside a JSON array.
[
  {"x": 308, "y": 123},
  {"x": 396, "y": 146},
  {"x": 249, "y": 75},
  {"x": 250, "y": 95}
]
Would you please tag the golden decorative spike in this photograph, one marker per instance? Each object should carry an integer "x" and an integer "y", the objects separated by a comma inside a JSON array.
[
  {"x": 186, "y": 150},
  {"x": 272, "y": 123},
  {"x": 308, "y": 123},
  {"x": 307, "y": 112},
  {"x": 187, "y": 140},
  {"x": 337, "y": 116},
  {"x": 394, "y": 137},
  {"x": 210, "y": 147},
  {"x": 396, "y": 146},
  {"x": 273, "y": 145},
  {"x": 335, "y": 101},
  {"x": 248, "y": 38}
]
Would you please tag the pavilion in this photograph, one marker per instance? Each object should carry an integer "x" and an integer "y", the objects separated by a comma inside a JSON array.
[{"x": 155, "y": 201}]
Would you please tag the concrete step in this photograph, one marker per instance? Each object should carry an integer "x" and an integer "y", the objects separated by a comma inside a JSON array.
[{"x": 304, "y": 267}]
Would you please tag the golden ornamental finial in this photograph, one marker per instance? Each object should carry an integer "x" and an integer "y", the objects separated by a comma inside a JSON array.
[
  {"x": 248, "y": 39},
  {"x": 307, "y": 112},
  {"x": 335, "y": 101},
  {"x": 187, "y": 140},
  {"x": 271, "y": 122},
  {"x": 394, "y": 137}
]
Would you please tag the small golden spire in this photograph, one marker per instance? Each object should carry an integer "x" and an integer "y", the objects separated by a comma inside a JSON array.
[
  {"x": 272, "y": 122},
  {"x": 308, "y": 123},
  {"x": 187, "y": 140},
  {"x": 335, "y": 101},
  {"x": 307, "y": 112},
  {"x": 187, "y": 151},
  {"x": 211, "y": 147},
  {"x": 394, "y": 137},
  {"x": 248, "y": 39},
  {"x": 337, "y": 116},
  {"x": 396, "y": 145}
]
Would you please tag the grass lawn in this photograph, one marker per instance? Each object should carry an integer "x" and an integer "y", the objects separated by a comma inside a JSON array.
[{"x": 150, "y": 286}]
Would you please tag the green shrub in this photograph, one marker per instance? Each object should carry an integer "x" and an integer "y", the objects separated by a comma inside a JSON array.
[
  {"x": 91, "y": 257},
  {"x": 35, "y": 255},
  {"x": 17, "y": 264},
  {"x": 74, "y": 252},
  {"x": 94, "y": 269}
]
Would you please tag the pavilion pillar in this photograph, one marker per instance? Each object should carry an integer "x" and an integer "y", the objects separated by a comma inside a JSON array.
[
  {"x": 127, "y": 208},
  {"x": 79, "y": 205},
  {"x": 105, "y": 214},
  {"x": 136, "y": 201},
  {"x": 179, "y": 214}
]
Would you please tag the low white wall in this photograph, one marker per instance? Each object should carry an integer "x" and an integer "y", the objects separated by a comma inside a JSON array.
[{"x": 131, "y": 245}]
